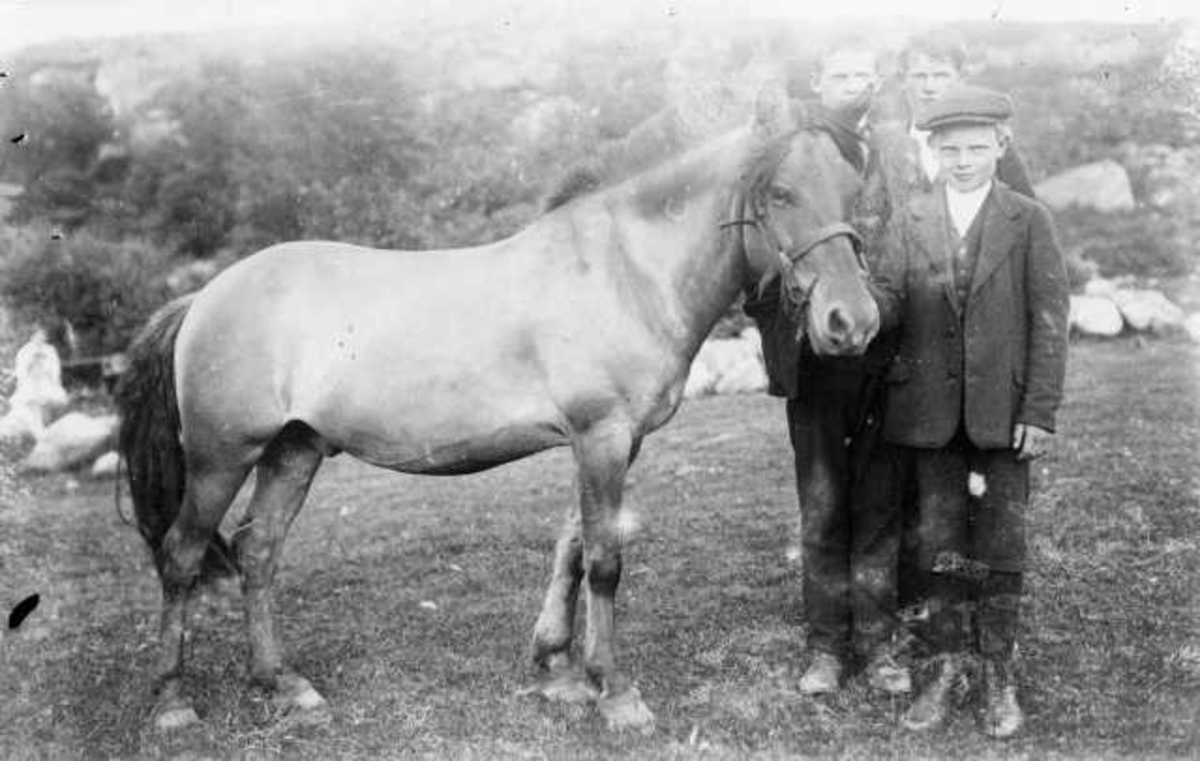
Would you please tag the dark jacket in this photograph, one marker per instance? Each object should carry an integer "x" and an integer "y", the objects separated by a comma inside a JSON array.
[{"x": 1002, "y": 359}]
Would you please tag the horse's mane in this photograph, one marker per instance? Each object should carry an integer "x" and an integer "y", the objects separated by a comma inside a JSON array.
[{"x": 667, "y": 134}]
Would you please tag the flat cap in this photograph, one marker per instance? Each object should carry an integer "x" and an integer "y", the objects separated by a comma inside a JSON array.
[{"x": 966, "y": 104}]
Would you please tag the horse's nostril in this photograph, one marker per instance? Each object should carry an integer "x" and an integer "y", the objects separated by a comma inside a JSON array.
[{"x": 839, "y": 325}]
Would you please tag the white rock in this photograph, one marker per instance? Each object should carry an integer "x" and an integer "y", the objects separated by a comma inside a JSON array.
[
  {"x": 700, "y": 380},
  {"x": 1095, "y": 316},
  {"x": 1103, "y": 185},
  {"x": 105, "y": 465},
  {"x": 74, "y": 439},
  {"x": 1148, "y": 310},
  {"x": 39, "y": 392},
  {"x": 1192, "y": 326},
  {"x": 728, "y": 366}
]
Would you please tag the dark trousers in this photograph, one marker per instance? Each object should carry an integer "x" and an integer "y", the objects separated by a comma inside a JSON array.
[
  {"x": 969, "y": 552},
  {"x": 848, "y": 481}
]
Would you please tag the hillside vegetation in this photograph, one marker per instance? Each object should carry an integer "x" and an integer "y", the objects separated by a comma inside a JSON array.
[{"x": 143, "y": 155}]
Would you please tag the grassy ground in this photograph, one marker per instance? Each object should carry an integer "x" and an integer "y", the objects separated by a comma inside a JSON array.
[{"x": 409, "y": 602}]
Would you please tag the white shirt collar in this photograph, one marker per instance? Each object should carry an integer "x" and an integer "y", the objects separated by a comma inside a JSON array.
[{"x": 965, "y": 206}]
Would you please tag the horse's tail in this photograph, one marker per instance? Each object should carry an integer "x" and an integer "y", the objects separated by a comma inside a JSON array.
[{"x": 148, "y": 438}]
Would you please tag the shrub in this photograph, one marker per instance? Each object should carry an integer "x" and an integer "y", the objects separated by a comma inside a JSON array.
[
  {"x": 104, "y": 290},
  {"x": 1142, "y": 242}
]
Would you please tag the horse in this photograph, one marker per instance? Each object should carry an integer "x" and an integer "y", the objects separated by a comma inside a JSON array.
[{"x": 576, "y": 331}]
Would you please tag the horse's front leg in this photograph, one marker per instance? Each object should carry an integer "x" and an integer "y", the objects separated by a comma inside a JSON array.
[
  {"x": 559, "y": 678},
  {"x": 603, "y": 454}
]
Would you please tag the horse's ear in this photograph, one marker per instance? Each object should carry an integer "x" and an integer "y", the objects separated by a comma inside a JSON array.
[{"x": 773, "y": 110}]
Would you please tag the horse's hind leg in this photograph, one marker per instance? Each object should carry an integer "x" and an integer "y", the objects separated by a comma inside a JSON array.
[
  {"x": 554, "y": 631},
  {"x": 285, "y": 472},
  {"x": 207, "y": 497}
]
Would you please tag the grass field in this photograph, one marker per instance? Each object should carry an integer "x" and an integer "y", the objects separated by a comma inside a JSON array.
[{"x": 409, "y": 603}]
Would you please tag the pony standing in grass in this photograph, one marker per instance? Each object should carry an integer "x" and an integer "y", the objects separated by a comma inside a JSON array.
[{"x": 577, "y": 331}]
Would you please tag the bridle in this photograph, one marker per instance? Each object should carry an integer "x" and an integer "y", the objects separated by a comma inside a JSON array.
[{"x": 788, "y": 252}]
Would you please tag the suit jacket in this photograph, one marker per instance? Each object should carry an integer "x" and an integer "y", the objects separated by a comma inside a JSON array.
[{"x": 999, "y": 361}]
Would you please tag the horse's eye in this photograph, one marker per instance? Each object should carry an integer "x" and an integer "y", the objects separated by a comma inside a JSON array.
[{"x": 781, "y": 196}]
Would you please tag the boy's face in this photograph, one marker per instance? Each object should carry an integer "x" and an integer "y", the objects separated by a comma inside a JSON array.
[
  {"x": 967, "y": 154},
  {"x": 846, "y": 77},
  {"x": 926, "y": 78}
]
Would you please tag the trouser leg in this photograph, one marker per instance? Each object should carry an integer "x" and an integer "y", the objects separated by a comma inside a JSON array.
[
  {"x": 998, "y": 539},
  {"x": 877, "y": 481},
  {"x": 941, "y": 481},
  {"x": 818, "y": 439}
]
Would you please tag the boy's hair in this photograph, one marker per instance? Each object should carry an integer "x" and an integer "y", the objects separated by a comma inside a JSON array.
[
  {"x": 942, "y": 45},
  {"x": 844, "y": 42}
]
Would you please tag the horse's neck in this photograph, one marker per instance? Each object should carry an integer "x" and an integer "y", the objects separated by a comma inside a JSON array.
[{"x": 696, "y": 264}]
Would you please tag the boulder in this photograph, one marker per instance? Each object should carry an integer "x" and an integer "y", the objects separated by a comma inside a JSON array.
[
  {"x": 39, "y": 392},
  {"x": 106, "y": 465},
  {"x": 746, "y": 373},
  {"x": 1148, "y": 310},
  {"x": 1103, "y": 185},
  {"x": 73, "y": 440},
  {"x": 1192, "y": 326},
  {"x": 728, "y": 366},
  {"x": 1095, "y": 316}
]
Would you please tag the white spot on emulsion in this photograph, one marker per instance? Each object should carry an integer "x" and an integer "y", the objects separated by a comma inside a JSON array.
[
  {"x": 976, "y": 484},
  {"x": 627, "y": 523}
]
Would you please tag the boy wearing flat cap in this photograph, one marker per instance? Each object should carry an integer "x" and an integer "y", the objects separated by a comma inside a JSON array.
[{"x": 975, "y": 284}]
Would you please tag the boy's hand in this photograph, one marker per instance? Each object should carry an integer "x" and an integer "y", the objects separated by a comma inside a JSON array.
[{"x": 1030, "y": 441}]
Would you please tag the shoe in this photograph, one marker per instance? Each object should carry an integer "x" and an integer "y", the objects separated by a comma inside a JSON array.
[
  {"x": 1002, "y": 714},
  {"x": 824, "y": 674},
  {"x": 886, "y": 674},
  {"x": 932, "y": 707}
]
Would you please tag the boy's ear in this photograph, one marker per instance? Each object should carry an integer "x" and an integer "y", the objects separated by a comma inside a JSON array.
[
  {"x": 1003, "y": 137},
  {"x": 814, "y": 82}
]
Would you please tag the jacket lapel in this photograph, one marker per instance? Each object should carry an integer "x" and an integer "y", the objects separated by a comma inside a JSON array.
[
  {"x": 999, "y": 234},
  {"x": 934, "y": 224}
]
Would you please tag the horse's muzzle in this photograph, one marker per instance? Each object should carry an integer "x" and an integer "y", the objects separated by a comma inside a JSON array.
[{"x": 840, "y": 330}]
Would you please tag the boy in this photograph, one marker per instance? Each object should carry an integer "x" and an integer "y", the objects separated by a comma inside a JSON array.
[
  {"x": 930, "y": 63},
  {"x": 850, "y": 524},
  {"x": 974, "y": 281}
]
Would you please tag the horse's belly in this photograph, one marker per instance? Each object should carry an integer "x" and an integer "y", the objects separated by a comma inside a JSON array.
[
  {"x": 432, "y": 419},
  {"x": 442, "y": 456}
]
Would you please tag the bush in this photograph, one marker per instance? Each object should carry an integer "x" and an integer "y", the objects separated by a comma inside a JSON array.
[
  {"x": 104, "y": 290},
  {"x": 1142, "y": 242}
]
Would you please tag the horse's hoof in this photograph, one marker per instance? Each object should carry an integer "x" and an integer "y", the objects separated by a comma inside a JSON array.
[
  {"x": 626, "y": 711},
  {"x": 175, "y": 717},
  {"x": 296, "y": 692},
  {"x": 563, "y": 687}
]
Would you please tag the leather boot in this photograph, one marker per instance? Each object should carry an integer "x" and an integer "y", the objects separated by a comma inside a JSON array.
[
  {"x": 932, "y": 707},
  {"x": 888, "y": 675},
  {"x": 1002, "y": 714},
  {"x": 824, "y": 674}
]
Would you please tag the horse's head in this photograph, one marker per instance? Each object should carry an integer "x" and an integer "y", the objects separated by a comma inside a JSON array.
[{"x": 799, "y": 197}]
